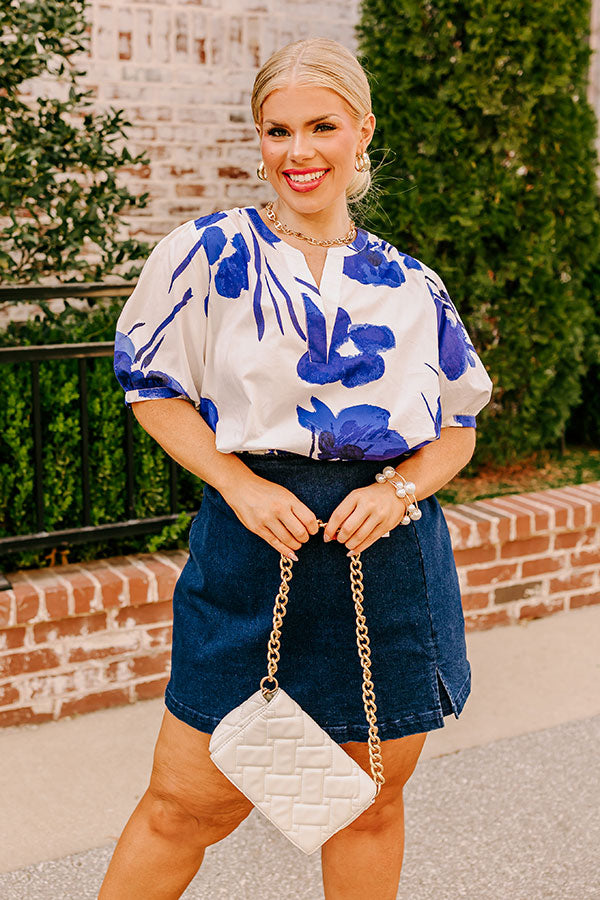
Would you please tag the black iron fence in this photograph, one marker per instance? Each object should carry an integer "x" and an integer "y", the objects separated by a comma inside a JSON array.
[{"x": 32, "y": 356}]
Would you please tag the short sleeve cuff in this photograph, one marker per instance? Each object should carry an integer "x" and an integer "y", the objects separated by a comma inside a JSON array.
[
  {"x": 156, "y": 393},
  {"x": 464, "y": 421}
]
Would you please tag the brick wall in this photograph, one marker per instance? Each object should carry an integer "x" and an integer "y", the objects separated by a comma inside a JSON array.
[
  {"x": 183, "y": 71},
  {"x": 522, "y": 556},
  {"x": 76, "y": 638}
]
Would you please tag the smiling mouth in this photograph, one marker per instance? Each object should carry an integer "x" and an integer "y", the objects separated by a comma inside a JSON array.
[
  {"x": 303, "y": 177},
  {"x": 304, "y": 181}
]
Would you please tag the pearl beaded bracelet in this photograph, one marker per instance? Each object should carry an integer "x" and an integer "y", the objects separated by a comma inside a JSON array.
[{"x": 403, "y": 489}]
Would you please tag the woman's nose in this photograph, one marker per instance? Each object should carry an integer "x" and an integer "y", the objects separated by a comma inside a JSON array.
[{"x": 301, "y": 148}]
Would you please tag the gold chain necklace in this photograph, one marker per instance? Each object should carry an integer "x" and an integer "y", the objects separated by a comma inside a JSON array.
[{"x": 336, "y": 242}]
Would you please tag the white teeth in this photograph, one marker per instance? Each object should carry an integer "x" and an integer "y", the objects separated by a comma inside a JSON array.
[{"x": 311, "y": 176}]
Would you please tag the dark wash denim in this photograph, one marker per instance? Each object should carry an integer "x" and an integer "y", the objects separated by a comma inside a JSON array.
[{"x": 223, "y": 611}]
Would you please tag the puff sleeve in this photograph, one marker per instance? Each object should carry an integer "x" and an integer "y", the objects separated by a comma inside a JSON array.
[
  {"x": 161, "y": 330},
  {"x": 465, "y": 386}
]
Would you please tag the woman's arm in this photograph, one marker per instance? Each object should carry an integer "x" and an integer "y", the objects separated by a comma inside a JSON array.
[
  {"x": 364, "y": 515},
  {"x": 435, "y": 464},
  {"x": 266, "y": 508},
  {"x": 183, "y": 434}
]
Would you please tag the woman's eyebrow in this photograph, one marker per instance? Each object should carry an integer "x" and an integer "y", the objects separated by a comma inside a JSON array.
[{"x": 311, "y": 122}]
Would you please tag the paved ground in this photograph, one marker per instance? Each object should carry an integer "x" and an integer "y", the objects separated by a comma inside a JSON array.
[
  {"x": 515, "y": 820},
  {"x": 504, "y": 802}
]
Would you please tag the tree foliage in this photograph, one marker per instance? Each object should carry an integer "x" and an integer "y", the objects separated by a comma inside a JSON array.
[
  {"x": 491, "y": 181},
  {"x": 60, "y": 200}
]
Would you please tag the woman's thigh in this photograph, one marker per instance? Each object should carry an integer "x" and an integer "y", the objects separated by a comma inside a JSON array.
[
  {"x": 184, "y": 777},
  {"x": 399, "y": 758}
]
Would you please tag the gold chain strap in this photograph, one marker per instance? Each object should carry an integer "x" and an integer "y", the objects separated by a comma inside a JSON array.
[{"x": 364, "y": 651}]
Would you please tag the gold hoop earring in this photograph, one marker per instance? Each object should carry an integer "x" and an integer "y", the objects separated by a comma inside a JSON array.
[
  {"x": 362, "y": 163},
  {"x": 261, "y": 171}
]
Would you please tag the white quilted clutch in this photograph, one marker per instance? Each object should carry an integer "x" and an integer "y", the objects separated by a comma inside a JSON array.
[
  {"x": 291, "y": 769},
  {"x": 284, "y": 762}
]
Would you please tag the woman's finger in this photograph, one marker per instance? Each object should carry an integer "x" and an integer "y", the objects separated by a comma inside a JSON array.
[
  {"x": 375, "y": 535},
  {"x": 339, "y": 515},
  {"x": 295, "y": 526},
  {"x": 353, "y": 523},
  {"x": 306, "y": 516},
  {"x": 364, "y": 532},
  {"x": 280, "y": 530},
  {"x": 277, "y": 544}
]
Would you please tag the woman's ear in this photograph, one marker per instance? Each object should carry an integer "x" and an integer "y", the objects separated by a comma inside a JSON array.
[
  {"x": 258, "y": 129},
  {"x": 368, "y": 128}
]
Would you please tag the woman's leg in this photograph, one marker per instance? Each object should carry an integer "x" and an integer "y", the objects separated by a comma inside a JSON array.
[
  {"x": 188, "y": 805},
  {"x": 365, "y": 858}
]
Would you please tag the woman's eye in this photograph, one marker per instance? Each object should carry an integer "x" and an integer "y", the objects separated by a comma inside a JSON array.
[{"x": 281, "y": 132}]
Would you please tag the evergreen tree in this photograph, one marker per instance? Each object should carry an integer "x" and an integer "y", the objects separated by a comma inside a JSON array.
[{"x": 491, "y": 181}]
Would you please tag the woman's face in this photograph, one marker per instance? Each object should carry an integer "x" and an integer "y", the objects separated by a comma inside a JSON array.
[{"x": 309, "y": 141}]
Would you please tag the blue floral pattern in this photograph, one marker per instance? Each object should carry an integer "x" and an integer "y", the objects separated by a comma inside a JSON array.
[
  {"x": 357, "y": 432},
  {"x": 151, "y": 384},
  {"x": 209, "y": 412},
  {"x": 232, "y": 274},
  {"x": 437, "y": 418},
  {"x": 318, "y": 366},
  {"x": 372, "y": 266},
  {"x": 410, "y": 262},
  {"x": 456, "y": 352}
]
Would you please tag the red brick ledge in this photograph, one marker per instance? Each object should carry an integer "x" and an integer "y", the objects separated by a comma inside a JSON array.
[
  {"x": 522, "y": 556},
  {"x": 75, "y": 638}
]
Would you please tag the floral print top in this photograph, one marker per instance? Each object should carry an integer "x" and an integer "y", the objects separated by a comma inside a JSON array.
[{"x": 369, "y": 365}]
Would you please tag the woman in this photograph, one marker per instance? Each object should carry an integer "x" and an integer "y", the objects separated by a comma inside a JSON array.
[{"x": 285, "y": 358}]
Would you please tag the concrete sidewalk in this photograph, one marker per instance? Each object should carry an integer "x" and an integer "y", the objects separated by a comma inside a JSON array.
[{"x": 504, "y": 801}]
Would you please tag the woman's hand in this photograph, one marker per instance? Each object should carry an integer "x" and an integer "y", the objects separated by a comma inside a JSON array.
[
  {"x": 364, "y": 515},
  {"x": 273, "y": 513}
]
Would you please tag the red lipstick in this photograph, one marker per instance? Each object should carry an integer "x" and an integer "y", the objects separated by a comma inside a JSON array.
[{"x": 308, "y": 185}]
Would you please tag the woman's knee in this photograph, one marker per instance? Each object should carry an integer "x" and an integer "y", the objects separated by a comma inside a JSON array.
[
  {"x": 187, "y": 794},
  {"x": 175, "y": 818},
  {"x": 387, "y": 811},
  {"x": 168, "y": 818},
  {"x": 399, "y": 758}
]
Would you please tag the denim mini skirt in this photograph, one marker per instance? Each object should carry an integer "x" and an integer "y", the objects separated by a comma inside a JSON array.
[{"x": 223, "y": 613}]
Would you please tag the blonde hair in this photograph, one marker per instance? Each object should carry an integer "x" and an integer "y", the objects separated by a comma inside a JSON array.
[{"x": 324, "y": 63}]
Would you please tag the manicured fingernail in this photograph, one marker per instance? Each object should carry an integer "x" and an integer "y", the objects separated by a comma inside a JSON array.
[
  {"x": 351, "y": 553},
  {"x": 326, "y": 538},
  {"x": 293, "y": 556}
]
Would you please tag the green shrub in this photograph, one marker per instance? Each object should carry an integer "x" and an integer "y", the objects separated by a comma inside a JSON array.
[
  {"x": 61, "y": 439},
  {"x": 583, "y": 425},
  {"x": 491, "y": 181}
]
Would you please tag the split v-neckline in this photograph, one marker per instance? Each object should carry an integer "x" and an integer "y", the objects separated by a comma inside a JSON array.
[
  {"x": 338, "y": 252},
  {"x": 319, "y": 303},
  {"x": 332, "y": 257}
]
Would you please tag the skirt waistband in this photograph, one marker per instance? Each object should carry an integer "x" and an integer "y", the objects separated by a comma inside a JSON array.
[{"x": 288, "y": 455}]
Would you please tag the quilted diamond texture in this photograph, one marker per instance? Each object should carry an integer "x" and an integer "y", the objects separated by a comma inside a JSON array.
[{"x": 290, "y": 768}]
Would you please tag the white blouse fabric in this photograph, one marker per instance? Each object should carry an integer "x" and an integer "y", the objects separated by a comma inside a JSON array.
[{"x": 369, "y": 365}]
